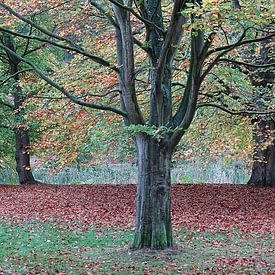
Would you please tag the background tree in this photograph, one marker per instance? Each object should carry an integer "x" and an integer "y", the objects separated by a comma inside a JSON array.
[
  {"x": 253, "y": 102},
  {"x": 261, "y": 77},
  {"x": 263, "y": 172},
  {"x": 15, "y": 75},
  {"x": 22, "y": 141},
  {"x": 256, "y": 63}
]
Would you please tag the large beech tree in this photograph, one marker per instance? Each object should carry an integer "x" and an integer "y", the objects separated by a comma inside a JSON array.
[{"x": 169, "y": 34}]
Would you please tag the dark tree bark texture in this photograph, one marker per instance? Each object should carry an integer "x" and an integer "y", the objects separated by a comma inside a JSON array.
[
  {"x": 153, "y": 206},
  {"x": 263, "y": 170},
  {"x": 22, "y": 157},
  {"x": 22, "y": 140}
]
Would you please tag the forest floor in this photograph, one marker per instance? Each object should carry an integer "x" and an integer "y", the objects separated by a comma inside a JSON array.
[{"x": 88, "y": 229}]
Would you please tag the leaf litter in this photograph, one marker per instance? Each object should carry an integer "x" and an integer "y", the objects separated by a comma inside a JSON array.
[
  {"x": 218, "y": 228},
  {"x": 203, "y": 207}
]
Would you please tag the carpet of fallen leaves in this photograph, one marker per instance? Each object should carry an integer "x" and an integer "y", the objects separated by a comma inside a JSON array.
[{"x": 202, "y": 207}]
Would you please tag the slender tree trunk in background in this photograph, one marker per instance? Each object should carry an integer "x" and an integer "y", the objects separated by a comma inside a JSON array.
[
  {"x": 153, "y": 202},
  {"x": 263, "y": 170},
  {"x": 22, "y": 140},
  {"x": 22, "y": 157}
]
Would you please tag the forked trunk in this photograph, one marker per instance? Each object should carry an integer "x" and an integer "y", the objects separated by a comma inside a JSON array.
[
  {"x": 263, "y": 170},
  {"x": 153, "y": 201},
  {"x": 22, "y": 157}
]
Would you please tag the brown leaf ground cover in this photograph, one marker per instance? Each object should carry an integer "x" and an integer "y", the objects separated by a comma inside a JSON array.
[
  {"x": 201, "y": 207},
  {"x": 87, "y": 229}
]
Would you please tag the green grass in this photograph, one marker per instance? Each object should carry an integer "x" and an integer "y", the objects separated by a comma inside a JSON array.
[
  {"x": 188, "y": 172},
  {"x": 45, "y": 248}
]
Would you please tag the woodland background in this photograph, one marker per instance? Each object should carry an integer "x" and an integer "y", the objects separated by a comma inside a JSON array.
[
  {"x": 150, "y": 121},
  {"x": 71, "y": 144}
]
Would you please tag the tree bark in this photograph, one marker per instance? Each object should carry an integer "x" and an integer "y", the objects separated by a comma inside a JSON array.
[
  {"x": 22, "y": 157},
  {"x": 263, "y": 169},
  {"x": 153, "y": 201},
  {"x": 22, "y": 140}
]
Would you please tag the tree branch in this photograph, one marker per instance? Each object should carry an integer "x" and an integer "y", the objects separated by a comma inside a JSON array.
[
  {"x": 246, "y": 64},
  {"x": 114, "y": 23},
  {"x": 95, "y": 58},
  {"x": 126, "y": 64},
  {"x": 34, "y": 50},
  {"x": 74, "y": 47},
  {"x": 171, "y": 41},
  {"x": 229, "y": 48},
  {"x": 6, "y": 104},
  {"x": 13, "y": 75},
  {"x": 207, "y": 45},
  {"x": 145, "y": 21},
  {"x": 240, "y": 42},
  {"x": 187, "y": 108},
  {"x": 234, "y": 112},
  {"x": 104, "y": 12},
  {"x": 63, "y": 90},
  {"x": 5, "y": 127},
  {"x": 30, "y": 22}
]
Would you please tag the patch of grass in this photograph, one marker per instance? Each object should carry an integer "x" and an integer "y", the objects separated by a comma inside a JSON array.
[
  {"x": 49, "y": 248},
  {"x": 97, "y": 174},
  {"x": 186, "y": 172}
]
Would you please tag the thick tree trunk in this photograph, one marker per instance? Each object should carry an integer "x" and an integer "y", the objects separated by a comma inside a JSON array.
[
  {"x": 22, "y": 157},
  {"x": 153, "y": 201},
  {"x": 263, "y": 170}
]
